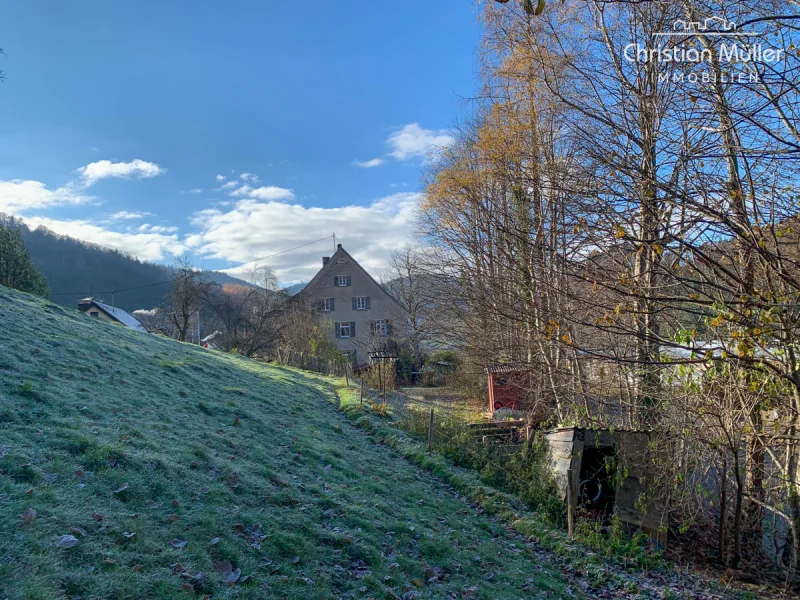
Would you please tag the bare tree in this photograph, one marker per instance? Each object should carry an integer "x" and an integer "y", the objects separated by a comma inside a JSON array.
[
  {"x": 249, "y": 317},
  {"x": 182, "y": 303},
  {"x": 406, "y": 281}
]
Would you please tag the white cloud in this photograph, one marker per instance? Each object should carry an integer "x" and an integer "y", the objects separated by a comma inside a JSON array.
[
  {"x": 267, "y": 193},
  {"x": 150, "y": 245},
  {"x": 228, "y": 186},
  {"x": 104, "y": 169},
  {"x": 249, "y": 177},
  {"x": 147, "y": 228},
  {"x": 125, "y": 215},
  {"x": 196, "y": 191},
  {"x": 221, "y": 178},
  {"x": 252, "y": 229},
  {"x": 18, "y": 196},
  {"x": 412, "y": 141},
  {"x": 369, "y": 164}
]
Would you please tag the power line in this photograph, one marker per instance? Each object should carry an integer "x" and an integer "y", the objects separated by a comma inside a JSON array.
[{"x": 140, "y": 287}]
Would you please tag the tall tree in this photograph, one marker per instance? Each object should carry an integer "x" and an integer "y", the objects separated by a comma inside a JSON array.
[{"x": 16, "y": 269}]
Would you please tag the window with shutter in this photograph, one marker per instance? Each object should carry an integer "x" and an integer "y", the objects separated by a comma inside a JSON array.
[
  {"x": 342, "y": 281},
  {"x": 360, "y": 303},
  {"x": 345, "y": 330}
]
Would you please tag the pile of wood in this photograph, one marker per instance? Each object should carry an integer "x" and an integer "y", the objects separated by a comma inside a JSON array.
[{"x": 505, "y": 432}]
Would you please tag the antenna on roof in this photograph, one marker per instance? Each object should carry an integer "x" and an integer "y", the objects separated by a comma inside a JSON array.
[{"x": 334, "y": 241}]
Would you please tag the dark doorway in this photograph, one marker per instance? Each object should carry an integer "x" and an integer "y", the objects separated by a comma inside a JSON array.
[{"x": 596, "y": 491}]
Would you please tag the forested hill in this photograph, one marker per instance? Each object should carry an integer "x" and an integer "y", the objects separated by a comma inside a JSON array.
[{"x": 75, "y": 269}]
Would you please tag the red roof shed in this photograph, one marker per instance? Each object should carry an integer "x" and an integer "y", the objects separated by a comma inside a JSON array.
[{"x": 508, "y": 387}]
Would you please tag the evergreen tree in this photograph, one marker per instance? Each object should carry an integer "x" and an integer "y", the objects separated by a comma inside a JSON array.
[{"x": 16, "y": 269}]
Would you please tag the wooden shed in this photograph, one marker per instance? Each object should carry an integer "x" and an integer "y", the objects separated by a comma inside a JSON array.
[
  {"x": 602, "y": 472},
  {"x": 508, "y": 387}
]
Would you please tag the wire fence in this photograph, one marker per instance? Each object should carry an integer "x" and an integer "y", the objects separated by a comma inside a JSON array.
[
  {"x": 445, "y": 429},
  {"x": 311, "y": 362}
]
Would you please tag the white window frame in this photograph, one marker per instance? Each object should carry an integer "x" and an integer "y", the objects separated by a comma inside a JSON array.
[
  {"x": 341, "y": 330},
  {"x": 326, "y": 304},
  {"x": 382, "y": 327},
  {"x": 361, "y": 303},
  {"x": 342, "y": 280}
]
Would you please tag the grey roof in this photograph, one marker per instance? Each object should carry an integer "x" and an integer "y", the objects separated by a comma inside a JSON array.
[{"x": 120, "y": 315}]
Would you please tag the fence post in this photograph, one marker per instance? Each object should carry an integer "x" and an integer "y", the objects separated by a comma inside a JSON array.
[
  {"x": 430, "y": 434},
  {"x": 570, "y": 504},
  {"x": 361, "y": 392}
]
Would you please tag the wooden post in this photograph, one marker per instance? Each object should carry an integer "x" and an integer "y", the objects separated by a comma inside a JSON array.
[
  {"x": 346, "y": 378},
  {"x": 430, "y": 434},
  {"x": 380, "y": 376},
  {"x": 570, "y": 505},
  {"x": 361, "y": 392}
]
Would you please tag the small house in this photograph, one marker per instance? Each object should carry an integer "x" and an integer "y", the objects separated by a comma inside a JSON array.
[
  {"x": 104, "y": 312},
  {"x": 603, "y": 472}
]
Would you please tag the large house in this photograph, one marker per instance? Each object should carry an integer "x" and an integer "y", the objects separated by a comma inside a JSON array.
[
  {"x": 104, "y": 312},
  {"x": 362, "y": 315}
]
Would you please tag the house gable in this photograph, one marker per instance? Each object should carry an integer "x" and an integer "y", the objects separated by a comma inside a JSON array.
[
  {"x": 362, "y": 314},
  {"x": 334, "y": 268}
]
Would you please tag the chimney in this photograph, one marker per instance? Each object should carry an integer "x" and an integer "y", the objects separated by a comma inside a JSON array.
[
  {"x": 325, "y": 260},
  {"x": 339, "y": 246}
]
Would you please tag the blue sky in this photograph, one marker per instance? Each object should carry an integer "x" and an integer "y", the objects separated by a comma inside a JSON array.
[{"x": 229, "y": 130}]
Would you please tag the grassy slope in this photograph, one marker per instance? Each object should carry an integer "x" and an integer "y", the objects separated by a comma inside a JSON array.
[{"x": 209, "y": 446}]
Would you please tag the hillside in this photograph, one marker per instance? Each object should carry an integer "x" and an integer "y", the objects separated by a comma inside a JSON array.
[
  {"x": 133, "y": 466},
  {"x": 75, "y": 269}
]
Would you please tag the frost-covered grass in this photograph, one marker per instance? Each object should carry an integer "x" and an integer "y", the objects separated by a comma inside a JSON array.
[{"x": 176, "y": 468}]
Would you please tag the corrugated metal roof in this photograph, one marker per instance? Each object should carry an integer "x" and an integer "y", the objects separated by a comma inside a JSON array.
[
  {"x": 494, "y": 369},
  {"x": 120, "y": 315},
  {"x": 608, "y": 429}
]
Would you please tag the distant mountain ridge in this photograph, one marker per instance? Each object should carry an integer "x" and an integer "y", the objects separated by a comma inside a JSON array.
[
  {"x": 75, "y": 269},
  {"x": 295, "y": 289}
]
